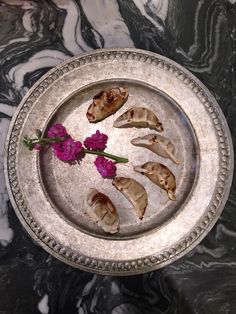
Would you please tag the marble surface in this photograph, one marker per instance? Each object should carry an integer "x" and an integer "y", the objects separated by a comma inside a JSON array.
[{"x": 37, "y": 35}]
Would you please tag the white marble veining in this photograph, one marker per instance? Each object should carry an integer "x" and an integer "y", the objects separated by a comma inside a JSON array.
[
  {"x": 107, "y": 20},
  {"x": 44, "y": 58},
  {"x": 71, "y": 31},
  {"x": 158, "y": 7},
  {"x": 43, "y": 305},
  {"x": 6, "y": 233}
]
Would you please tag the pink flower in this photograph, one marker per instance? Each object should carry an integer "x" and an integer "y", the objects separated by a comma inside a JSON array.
[
  {"x": 57, "y": 130},
  {"x": 96, "y": 141},
  {"x": 105, "y": 167},
  {"x": 37, "y": 147},
  {"x": 68, "y": 150}
]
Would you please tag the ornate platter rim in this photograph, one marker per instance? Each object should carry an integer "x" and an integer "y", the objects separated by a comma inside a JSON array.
[{"x": 147, "y": 263}]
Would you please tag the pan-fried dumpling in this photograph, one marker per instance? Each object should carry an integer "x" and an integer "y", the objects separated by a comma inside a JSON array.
[
  {"x": 102, "y": 211},
  {"x": 158, "y": 144},
  {"x": 107, "y": 102},
  {"x": 134, "y": 192},
  {"x": 138, "y": 117},
  {"x": 160, "y": 175}
]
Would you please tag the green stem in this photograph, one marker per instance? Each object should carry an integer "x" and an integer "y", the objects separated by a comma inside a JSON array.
[
  {"x": 46, "y": 140},
  {"x": 101, "y": 153}
]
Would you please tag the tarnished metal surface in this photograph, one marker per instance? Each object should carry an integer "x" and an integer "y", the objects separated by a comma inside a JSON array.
[{"x": 48, "y": 195}]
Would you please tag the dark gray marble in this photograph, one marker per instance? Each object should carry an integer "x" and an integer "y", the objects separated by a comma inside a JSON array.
[{"x": 37, "y": 35}]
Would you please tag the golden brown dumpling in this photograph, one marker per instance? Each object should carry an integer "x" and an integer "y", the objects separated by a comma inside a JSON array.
[
  {"x": 160, "y": 175},
  {"x": 138, "y": 117},
  {"x": 107, "y": 102},
  {"x": 158, "y": 144},
  {"x": 102, "y": 211},
  {"x": 134, "y": 192}
]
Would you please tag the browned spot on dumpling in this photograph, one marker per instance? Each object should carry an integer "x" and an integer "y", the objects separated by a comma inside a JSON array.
[
  {"x": 98, "y": 95},
  {"x": 106, "y": 103},
  {"x": 132, "y": 114}
]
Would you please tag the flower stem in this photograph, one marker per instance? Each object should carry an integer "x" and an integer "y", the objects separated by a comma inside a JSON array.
[
  {"x": 31, "y": 142},
  {"x": 101, "y": 153},
  {"x": 48, "y": 140}
]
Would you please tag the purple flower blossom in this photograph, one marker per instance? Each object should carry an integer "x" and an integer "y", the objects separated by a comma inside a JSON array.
[
  {"x": 68, "y": 150},
  {"x": 57, "y": 130},
  {"x": 96, "y": 141},
  {"x": 105, "y": 167},
  {"x": 37, "y": 147}
]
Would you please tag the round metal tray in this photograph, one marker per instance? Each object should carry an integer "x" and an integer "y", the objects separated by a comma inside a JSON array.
[{"x": 48, "y": 195}]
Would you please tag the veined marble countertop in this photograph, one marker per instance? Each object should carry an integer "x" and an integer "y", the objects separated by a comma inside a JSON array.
[{"x": 37, "y": 35}]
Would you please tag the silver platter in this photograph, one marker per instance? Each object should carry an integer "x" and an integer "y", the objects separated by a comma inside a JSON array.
[{"x": 48, "y": 195}]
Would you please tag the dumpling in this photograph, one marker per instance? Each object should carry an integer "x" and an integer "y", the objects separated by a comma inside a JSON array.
[
  {"x": 107, "y": 102},
  {"x": 134, "y": 192},
  {"x": 138, "y": 117},
  {"x": 160, "y": 175},
  {"x": 102, "y": 211},
  {"x": 158, "y": 144}
]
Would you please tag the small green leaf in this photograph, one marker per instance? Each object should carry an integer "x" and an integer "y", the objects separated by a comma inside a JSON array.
[
  {"x": 31, "y": 146},
  {"x": 25, "y": 141}
]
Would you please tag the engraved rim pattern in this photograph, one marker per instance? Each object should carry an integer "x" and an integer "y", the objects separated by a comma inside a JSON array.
[{"x": 151, "y": 262}]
